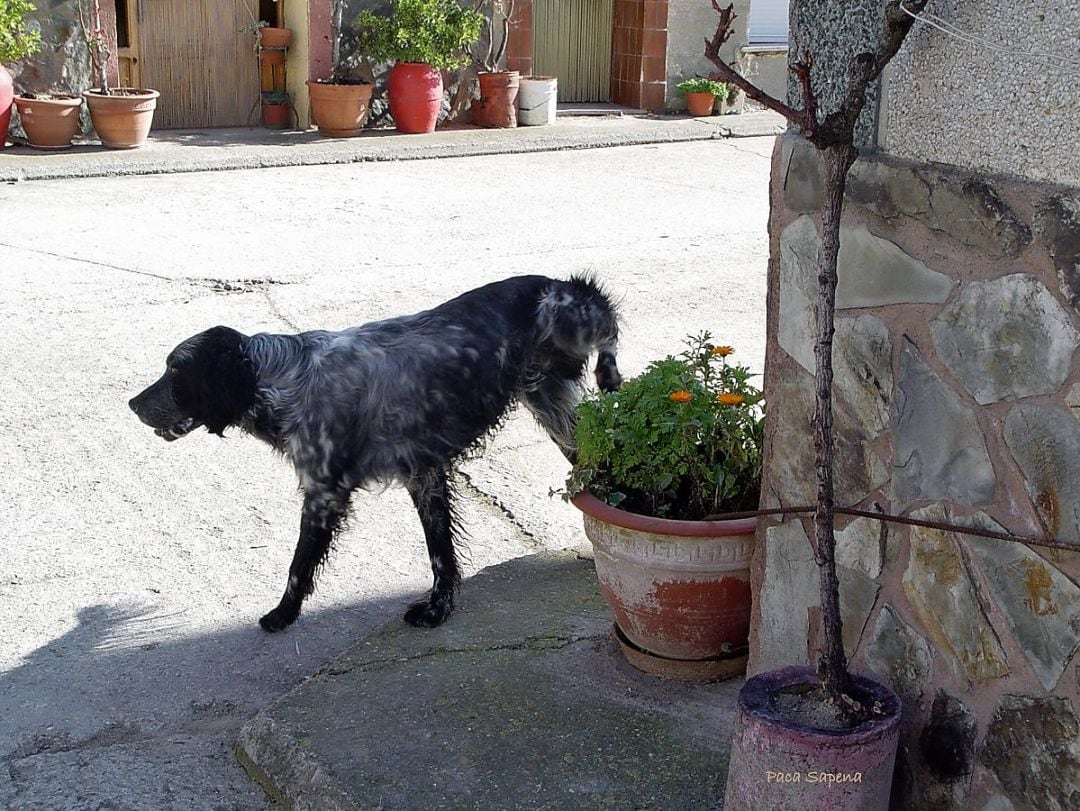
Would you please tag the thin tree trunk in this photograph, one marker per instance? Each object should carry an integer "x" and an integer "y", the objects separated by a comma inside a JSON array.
[{"x": 832, "y": 666}]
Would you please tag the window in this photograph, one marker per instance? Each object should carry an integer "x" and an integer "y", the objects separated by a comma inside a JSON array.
[{"x": 768, "y": 22}]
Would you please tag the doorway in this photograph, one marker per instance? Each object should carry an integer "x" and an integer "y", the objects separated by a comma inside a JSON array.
[{"x": 572, "y": 40}]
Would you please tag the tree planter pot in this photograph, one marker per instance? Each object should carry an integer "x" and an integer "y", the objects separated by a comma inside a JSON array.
[
  {"x": 7, "y": 99},
  {"x": 497, "y": 105},
  {"x": 339, "y": 110},
  {"x": 700, "y": 104},
  {"x": 679, "y": 590},
  {"x": 49, "y": 123},
  {"x": 778, "y": 763},
  {"x": 123, "y": 118},
  {"x": 415, "y": 92}
]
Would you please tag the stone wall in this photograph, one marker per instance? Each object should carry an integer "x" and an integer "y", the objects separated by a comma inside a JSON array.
[{"x": 957, "y": 399}]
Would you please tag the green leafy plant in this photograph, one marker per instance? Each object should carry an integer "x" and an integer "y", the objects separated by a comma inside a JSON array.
[
  {"x": 682, "y": 440},
  {"x": 702, "y": 85},
  {"x": 434, "y": 32},
  {"x": 17, "y": 40}
]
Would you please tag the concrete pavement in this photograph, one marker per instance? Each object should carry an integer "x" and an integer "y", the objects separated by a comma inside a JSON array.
[
  {"x": 260, "y": 148},
  {"x": 135, "y": 570}
]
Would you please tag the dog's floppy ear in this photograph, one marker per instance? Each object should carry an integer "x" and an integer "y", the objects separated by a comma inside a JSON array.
[{"x": 221, "y": 383}]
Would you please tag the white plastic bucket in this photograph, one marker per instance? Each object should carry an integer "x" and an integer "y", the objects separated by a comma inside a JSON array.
[{"x": 536, "y": 100}]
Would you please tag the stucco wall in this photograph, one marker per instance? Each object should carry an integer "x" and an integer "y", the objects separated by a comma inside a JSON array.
[
  {"x": 957, "y": 398},
  {"x": 690, "y": 22},
  {"x": 967, "y": 105}
]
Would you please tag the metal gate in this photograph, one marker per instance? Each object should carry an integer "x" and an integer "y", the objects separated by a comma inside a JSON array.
[
  {"x": 572, "y": 41},
  {"x": 196, "y": 55}
]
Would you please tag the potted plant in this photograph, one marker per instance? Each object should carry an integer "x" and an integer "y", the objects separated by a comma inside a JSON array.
[
  {"x": 497, "y": 105},
  {"x": 272, "y": 46},
  {"x": 17, "y": 41},
  {"x": 340, "y": 103},
  {"x": 701, "y": 94},
  {"x": 660, "y": 462},
  {"x": 421, "y": 37},
  {"x": 121, "y": 116},
  {"x": 799, "y": 722}
]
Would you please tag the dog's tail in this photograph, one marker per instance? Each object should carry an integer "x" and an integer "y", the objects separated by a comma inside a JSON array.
[{"x": 580, "y": 318}]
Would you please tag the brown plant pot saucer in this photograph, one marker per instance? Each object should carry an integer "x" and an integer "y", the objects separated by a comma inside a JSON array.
[{"x": 695, "y": 671}]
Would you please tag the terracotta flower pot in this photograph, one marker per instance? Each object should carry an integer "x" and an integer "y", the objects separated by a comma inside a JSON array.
[
  {"x": 339, "y": 110},
  {"x": 275, "y": 115},
  {"x": 49, "y": 123},
  {"x": 7, "y": 99},
  {"x": 679, "y": 590},
  {"x": 270, "y": 37},
  {"x": 123, "y": 118},
  {"x": 776, "y": 762},
  {"x": 497, "y": 105},
  {"x": 700, "y": 104},
  {"x": 415, "y": 92}
]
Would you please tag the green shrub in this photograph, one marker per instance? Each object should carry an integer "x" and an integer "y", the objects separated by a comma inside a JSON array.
[
  {"x": 700, "y": 85},
  {"x": 682, "y": 440},
  {"x": 16, "y": 39},
  {"x": 434, "y": 32}
]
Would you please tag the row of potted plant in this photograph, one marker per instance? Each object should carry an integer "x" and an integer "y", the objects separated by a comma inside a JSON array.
[{"x": 121, "y": 116}]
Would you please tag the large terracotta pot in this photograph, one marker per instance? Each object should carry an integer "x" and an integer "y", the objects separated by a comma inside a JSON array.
[
  {"x": 778, "y": 763},
  {"x": 415, "y": 92},
  {"x": 497, "y": 105},
  {"x": 123, "y": 118},
  {"x": 700, "y": 104},
  {"x": 679, "y": 590},
  {"x": 339, "y": 110},
  {"x": 7, "y": 98},
  {"x": 49, "y": 123}
]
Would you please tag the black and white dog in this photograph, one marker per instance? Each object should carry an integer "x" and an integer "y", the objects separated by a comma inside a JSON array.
[{"x": 392, "y": 401}]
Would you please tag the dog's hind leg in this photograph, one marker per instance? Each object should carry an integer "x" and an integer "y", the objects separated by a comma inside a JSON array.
[
  {"x": 432, "y": 495},
  {"x": 320, "y": 519}
]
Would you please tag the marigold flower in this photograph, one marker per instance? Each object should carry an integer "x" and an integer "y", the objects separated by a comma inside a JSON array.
[
  {"x": 680, "y": 396},
  {"x": 730, "y": 398},
  {"x": 723, "y": 351}
]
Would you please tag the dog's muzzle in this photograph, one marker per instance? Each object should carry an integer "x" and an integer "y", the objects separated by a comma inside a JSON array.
[{"x": 182, "y": 428}]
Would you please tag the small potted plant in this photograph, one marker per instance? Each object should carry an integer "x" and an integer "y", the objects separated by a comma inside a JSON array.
[
  {"x": 701, "y": 94},
  {"x": 497, "y": 105},
  {"x": 121, "y": 116},
  {"x": 341, "y": 102},
  {"x": 17, "y": 41},
  {"x": 660, "y": 462},
  {"x": 422, "y": 37}
]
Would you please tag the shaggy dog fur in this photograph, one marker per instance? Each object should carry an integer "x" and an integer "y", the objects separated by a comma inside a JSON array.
[{"x": 399, "y": 400}]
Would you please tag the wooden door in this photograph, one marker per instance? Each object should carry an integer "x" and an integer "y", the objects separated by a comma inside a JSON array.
[
  {"x": 572, "y": 41},
  {"x": 194, "y": 53}
]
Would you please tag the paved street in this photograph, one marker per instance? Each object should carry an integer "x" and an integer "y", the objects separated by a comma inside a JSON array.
[{"x": 134, "y": 571}]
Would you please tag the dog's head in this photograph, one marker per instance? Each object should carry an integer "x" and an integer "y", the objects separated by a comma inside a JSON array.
[{"x": 208, "y": 380}]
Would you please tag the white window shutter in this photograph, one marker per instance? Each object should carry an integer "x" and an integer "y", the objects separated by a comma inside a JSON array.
[{"x": 768, "y": 22}]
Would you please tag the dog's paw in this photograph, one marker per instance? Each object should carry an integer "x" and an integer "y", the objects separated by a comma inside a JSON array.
[
  {"x": 277, "y": 620},
  {"x": 428, "y": 614}
]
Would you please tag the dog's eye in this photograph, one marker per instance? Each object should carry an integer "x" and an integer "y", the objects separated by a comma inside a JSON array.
[{"x": 171, "y": 371}]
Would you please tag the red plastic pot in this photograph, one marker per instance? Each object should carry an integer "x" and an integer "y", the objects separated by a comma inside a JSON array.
[
  {"x": 776, "y": 762},
  {"x": 416, "y": 92},
  {"x": 275, "y": 116},
  {"x": 7, "y": 97}
]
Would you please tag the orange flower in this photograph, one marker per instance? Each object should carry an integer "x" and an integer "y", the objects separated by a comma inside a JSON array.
[
  {"x": 729, "y": 398},
  {"x": 723, "y": 351},
  {"x": 681, "y": 396}
]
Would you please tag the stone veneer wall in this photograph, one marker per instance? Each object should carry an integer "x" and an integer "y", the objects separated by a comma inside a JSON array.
[{"x": 957, "y": 398}]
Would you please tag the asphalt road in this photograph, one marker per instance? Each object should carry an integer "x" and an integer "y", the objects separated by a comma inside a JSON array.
[{"x": 133, "y": 571}]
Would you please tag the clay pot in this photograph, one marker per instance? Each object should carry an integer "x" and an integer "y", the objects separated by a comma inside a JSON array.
[
  {"x": 270, "y": 37},
  {"x": 49, "y": 123},
  {"x": 497, "y": 105},
  {"x": 679, "y": 590},
  {"x": 415, "y": 92},
  {"x": 7, "y": 99},
  {"x": 339, "y": 110},
  {"x": 275, "y": 115},
  {"x": 700, "y": 104},
  {"x": 123, "y": 118},
  {"x": 776, "y": 762}
]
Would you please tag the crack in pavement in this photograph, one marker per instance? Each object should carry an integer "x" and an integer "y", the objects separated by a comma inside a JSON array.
[{"x": 494, "y": 506}]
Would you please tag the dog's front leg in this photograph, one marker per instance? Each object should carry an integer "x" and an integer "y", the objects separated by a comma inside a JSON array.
[
  {"x": 322, "y": 514},
  {"x": 433, "y": 497}
]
